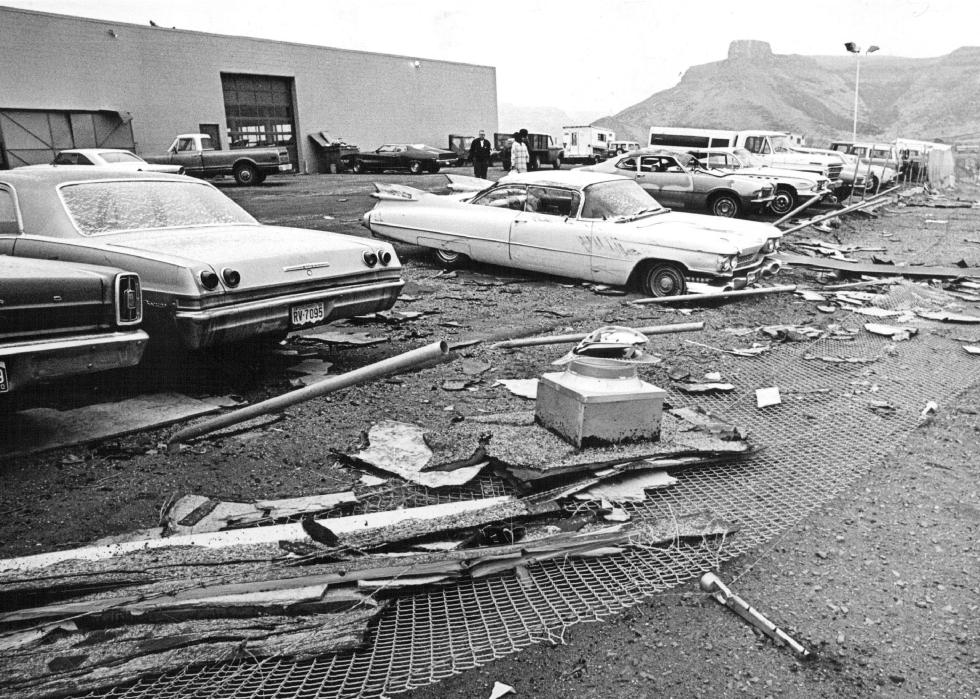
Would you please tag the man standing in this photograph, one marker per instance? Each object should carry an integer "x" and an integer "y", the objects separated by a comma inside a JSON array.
[
  {"x": 480, "y": 151},
  {"x": 519, "y": 156}
]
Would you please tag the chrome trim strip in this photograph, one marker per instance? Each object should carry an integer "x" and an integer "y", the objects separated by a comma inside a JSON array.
[{"x": 305, "y": 266}]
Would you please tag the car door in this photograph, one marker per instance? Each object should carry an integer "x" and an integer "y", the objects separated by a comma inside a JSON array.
[
  {"x": 666, "y": 180},
  {"x": 479, "y": 229},
  {"x": 186, "y": 153},
  {"x": 549, "y": 237}
]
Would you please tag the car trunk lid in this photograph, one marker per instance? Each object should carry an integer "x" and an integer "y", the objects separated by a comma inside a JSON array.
[{"x": 262, "y": 255}]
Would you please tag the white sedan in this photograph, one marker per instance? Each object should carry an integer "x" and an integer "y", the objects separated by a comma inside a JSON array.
[
  {"x": 115, "y": 158},
  {"x": 587, "y": 225}
]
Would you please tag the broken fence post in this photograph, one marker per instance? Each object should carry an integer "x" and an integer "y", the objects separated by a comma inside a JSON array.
[
  {"x": 711, "y": 584},
  {"x": 400, "y": 362},
  {"x": 840, "y": 212},
  {"x": 577, "y": 337},
  {"x": 721, "y": 295}
]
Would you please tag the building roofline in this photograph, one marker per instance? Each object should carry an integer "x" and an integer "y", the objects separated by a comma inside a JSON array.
[{"x": 116, "y": 23}]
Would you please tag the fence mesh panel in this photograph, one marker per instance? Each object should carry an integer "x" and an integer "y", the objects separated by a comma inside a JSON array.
[{"x": 831, "y": 428}]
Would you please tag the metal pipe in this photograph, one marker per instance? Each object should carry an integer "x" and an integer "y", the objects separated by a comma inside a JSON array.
[
  {"x": 401, "y": 362},
  {"x": 723, "y": 295},
  {"x": 839, "y": 212},
  {"x": 576, "y": 337},
  {"x": 724, "y": 596},
  {"x": 812, "y": 200}
]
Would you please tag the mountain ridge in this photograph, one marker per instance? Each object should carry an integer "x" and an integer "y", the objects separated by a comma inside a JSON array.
[{"x": 928, "y": 98}]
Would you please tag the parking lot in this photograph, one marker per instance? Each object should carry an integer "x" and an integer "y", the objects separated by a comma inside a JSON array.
[{"x": 859, "y": 524}]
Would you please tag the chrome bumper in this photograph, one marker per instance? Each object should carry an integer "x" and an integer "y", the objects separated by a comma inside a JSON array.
[
  {"x": 251, "y": 319},
  {"x": 30, "y": 361}
]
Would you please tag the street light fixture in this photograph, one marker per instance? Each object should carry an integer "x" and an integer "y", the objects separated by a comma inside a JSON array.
[{"x": 856, "y": 50}]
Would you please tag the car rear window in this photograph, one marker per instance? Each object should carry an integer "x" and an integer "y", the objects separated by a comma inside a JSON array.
[
  {"x": 98, "y": 208},
  {"x": 119, "y": 157}
]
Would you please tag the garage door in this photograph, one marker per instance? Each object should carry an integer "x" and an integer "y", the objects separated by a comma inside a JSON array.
[
  {"x": 29, "y": 137},
  {"x": 259, "y": 112}
]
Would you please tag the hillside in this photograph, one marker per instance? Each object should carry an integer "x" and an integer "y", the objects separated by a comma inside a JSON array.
[{"x": 928, "y": 98}]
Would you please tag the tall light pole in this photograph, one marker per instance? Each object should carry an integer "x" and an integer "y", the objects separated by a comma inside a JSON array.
[{"x": 856, "y": 50}]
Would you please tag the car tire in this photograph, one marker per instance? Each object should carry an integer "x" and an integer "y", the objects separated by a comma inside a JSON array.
[
  {"x": 724, "y": 205},
  {"x": 246, "y": 175},
  {"x": 843, "y": 192},
  {"x": 450, "y": 259},
  {"x": 557, "y": 163},
  {"x": 784, "y": 202},
  {"x": 659, "y": 279},
  {"x": 415, "y": 167},
  {"x": 873, "y": 183},
  {"x": 358, "y": 167},
  {"x": 434, "y": 169}
]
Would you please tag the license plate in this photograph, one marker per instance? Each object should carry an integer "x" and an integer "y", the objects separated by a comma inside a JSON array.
[
  {"x": 286, "y": 167},
  {"x": 308, "y": 313},
  {"x": 4, "y": 386}
]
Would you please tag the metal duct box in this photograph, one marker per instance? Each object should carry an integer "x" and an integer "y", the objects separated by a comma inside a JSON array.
[{"x": 596, "y": 401}]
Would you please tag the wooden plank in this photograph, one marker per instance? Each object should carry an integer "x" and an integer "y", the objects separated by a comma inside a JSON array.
[
  {"x": 884, "y": 270},
  {"x": 41, "y": 429},
  {"x": 106, "y": 658},
  {"x": 194, "y": 514},
  {"x": 255, "y": 535}
]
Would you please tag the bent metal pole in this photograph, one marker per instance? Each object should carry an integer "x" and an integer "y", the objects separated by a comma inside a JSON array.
[
  {"x": 400, "y": 362},
  {"x": 840, "y": 212}
]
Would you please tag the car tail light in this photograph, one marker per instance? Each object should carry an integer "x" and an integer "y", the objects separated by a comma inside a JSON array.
[
  {"x": 231, "y": 277},
  {"x": 384, "y": 257},
  {"x": 209, "y": 280},
  {"x": 129, "y": 299},
  {"x": 370, "y": 259}
]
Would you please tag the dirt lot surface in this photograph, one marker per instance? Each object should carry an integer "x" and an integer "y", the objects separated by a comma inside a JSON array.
[{"x": 882, "y": 582}]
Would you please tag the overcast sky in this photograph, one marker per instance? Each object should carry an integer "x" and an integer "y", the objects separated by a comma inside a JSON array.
[{"x": 577, "y": 56}]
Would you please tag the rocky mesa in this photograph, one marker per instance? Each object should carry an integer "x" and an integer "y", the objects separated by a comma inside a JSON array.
[{"x": 927, "y": 98}]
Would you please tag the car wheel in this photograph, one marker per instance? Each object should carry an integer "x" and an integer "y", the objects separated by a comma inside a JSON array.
[
  {"x": 415, "y": 167},
  {"x": 784, "y": 202},
  {"x": 662, "y": 279},
  {"x": 724, "y": 205},
  {"x": 556, "y": 164},
  {"x": 872, "y": 184},
  {"x": 434, "y": 169},
  {"x": 246, "y": 174},
  {"x": 450, "y": 259},
  {"x": 843, "y": 192},
  {"x": 357, "y": 167}
]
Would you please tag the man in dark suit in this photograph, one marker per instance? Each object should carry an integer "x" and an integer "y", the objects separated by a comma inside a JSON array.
[{"x": 480, "y": 151}]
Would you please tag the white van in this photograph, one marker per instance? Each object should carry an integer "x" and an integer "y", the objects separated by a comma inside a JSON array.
[{"x": 617, "y": 147}]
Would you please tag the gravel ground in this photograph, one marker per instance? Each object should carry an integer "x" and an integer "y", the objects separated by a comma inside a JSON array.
[{"x": 881, "y": 582}]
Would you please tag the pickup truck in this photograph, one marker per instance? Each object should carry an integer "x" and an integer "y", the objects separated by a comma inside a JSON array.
[
  {"x": 197, "y": 155},
  {"x": 541, "y": 147}
]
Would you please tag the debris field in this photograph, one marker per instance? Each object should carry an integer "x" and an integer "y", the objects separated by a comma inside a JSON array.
[{"x": 389, "y": 534}]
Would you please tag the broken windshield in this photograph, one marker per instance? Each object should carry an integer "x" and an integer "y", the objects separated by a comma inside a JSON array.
[
  {"x": 98, "y": 208},
  {"x": 619, "y": 199}
]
